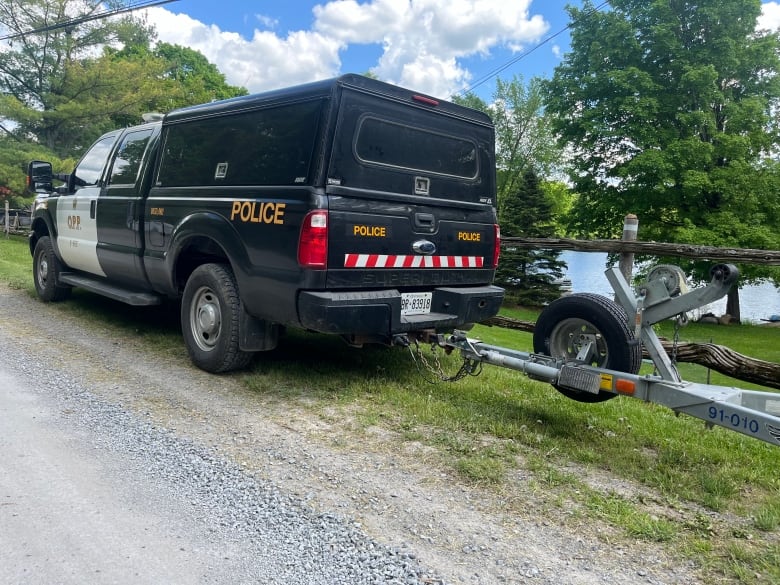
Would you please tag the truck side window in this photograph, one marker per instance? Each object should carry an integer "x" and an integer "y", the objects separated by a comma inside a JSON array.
[
  {"x": 128, "y": 158},
  {"x": 271, "y": 146},
  {"x": 90, "y": 168}
]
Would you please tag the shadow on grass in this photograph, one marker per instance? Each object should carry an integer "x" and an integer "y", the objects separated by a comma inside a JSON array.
[{"x": 154, "y": 320}]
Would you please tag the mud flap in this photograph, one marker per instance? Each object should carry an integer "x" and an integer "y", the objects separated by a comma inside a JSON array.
[{"x": 256, "y": 334}]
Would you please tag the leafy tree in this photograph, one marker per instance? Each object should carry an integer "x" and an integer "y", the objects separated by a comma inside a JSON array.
[
  {"x": 668, "y": 108},
  {"x": 61, "y": 87},
  {"x": 49, "y": 70},
  {"x": 529, "y": 275},
  {"x": 188, "y": 78},
  {"x": 14, "y": 156},
  {"x": 525, "y": 148},
  {"x": 524, "y": 139},
  {"x": 562, "y": 200}
]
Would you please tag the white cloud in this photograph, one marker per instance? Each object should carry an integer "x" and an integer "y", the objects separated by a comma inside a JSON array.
[
  {"x": 424, "y": 42},
  {"x": 770, "y": 16},
  {"x": 267, "y": 21},
  {"x": 266, "y": 61}
]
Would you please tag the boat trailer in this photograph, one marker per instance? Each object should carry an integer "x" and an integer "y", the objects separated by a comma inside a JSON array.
[{"x": 587, "y": 349}]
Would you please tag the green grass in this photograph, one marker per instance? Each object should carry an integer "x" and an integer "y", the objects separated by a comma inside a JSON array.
[
  {"x": 16, "y": 262},
  {"x": 710, "y": 496}
]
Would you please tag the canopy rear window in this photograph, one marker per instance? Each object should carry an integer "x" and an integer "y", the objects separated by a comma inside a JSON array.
[{"x": 391, "y": 144}]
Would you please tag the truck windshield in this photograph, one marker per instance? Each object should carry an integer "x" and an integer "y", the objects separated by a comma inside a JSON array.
[{"x": 90, "y": 167}]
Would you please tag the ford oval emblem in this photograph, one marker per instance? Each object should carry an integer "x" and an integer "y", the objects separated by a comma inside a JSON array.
[{"x": 424, "y": 247}]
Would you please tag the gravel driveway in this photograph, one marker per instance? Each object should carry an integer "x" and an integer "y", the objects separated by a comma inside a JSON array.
[{"x": 119, "y": 465}]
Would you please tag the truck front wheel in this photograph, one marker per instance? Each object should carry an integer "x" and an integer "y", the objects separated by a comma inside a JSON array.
[
  {"x": 210, "y": 311},
  {"x": 46, "y": 272}
]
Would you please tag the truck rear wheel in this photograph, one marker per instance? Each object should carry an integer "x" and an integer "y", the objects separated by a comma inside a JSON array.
[
  {"x": 569, "y": 324},
  {"x": 46, "y": 272},
  {"x": 210, "y": 311}
]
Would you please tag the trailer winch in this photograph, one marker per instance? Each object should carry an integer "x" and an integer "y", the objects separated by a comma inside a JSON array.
[{"x": 589, "y": 348}]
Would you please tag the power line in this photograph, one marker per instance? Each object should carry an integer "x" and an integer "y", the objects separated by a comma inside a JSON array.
[
  {"x": 525, "y": 54},
  {"x": 82, "y": 19}
]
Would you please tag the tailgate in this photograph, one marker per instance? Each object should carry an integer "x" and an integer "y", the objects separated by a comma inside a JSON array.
[{"x": 408, "y": 247}]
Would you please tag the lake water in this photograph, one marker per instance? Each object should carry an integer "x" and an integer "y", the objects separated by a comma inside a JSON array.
[{"x": 586, "y": 271}]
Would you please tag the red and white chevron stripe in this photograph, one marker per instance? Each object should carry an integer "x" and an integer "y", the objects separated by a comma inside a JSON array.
[{"x": 402, "y": 261}]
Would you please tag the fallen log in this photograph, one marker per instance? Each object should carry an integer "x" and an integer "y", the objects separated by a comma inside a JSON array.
[
  {"x": 510, "y": 323},
  {"x": 727, "y": 362},
  {"x": 715, "y": 357}
]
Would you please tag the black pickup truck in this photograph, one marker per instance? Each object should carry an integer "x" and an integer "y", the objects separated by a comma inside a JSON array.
[{"x": 346, "y": 206}]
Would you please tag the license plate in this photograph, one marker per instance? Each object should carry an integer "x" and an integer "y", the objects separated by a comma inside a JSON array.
[{"x": 416, "y": 303}]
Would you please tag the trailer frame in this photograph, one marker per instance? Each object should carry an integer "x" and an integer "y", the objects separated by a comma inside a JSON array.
[{"x": 663, "y": 296}]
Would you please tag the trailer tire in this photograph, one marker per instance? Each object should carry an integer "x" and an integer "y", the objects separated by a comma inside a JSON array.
[
  {"x": 568, "y": 322},
  {"x": 210, "y": 312}
]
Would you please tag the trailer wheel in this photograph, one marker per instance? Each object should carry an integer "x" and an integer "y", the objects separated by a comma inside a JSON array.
[
  {"x": 210, "y": 310},
  {"x": 570, "y": 323},
  {"x": 46, "y": 272}
]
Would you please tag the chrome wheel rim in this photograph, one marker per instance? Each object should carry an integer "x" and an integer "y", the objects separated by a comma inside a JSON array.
[
  {"x": 579, "y": 339},
  {"x": 43, "y": 271},
  {"x": 205, "y": 318}
]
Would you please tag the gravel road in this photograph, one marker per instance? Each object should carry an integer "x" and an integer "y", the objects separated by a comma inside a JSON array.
[{"x": 119, "y": 465}]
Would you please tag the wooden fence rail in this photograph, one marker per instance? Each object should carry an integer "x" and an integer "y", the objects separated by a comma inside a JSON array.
[{"x": 747, "y": 255}]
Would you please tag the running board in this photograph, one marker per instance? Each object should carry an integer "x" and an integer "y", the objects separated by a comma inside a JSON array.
[{"x": 112, "y": 291}]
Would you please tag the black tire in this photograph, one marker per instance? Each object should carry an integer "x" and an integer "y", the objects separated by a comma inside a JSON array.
[
  {"x": 46, "y": 272},
  {"x": 210, "y": 312},
  {"x": 568, "y": 322}
]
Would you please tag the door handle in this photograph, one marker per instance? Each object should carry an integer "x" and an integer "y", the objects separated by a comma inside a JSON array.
[
  {"x": 92, "y": 208},
  {"x": 130, "y": 214},
  {"x": 424, "y": 221}
]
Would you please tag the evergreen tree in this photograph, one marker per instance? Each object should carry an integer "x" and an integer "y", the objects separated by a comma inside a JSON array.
[
  {"x": 529, "y": 275},
  {"x": 524, "y": 147}
]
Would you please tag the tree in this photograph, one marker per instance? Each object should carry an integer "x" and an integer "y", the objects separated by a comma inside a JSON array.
[
  {"x": 668, "y": 108},
  {"x": 524, "y": 139},
  {"x": 14, "y": 156},
  {"x": 66, "y": 85},
  {"x": 529, "y": 275},
  {"x": 62, "y": 87},
  {"x": 187, "y": 76},
  {"x": 49, "y": 69},
  {"x": 525, "y": 148}
]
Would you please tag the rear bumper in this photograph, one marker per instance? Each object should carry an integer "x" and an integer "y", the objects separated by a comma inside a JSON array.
[{"x": 378, "y": 313}]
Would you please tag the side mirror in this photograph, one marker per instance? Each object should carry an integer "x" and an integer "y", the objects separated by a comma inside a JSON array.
[{"x": 39, "y": 177}]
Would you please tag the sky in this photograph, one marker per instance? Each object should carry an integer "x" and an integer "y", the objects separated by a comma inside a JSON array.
[{"x": 438, "y": 47}]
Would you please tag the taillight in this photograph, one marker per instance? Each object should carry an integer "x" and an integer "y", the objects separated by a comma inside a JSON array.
[
  {"x": 496, "y": 245},
  {"x": 313, "y": 243}
]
